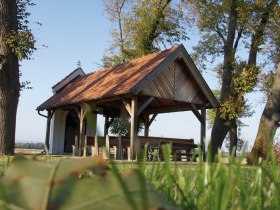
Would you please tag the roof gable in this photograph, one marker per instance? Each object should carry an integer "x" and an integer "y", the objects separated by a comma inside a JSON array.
[
  {"x": 127, "y": 78},
  {"x": 176, "y": 83},
  {"x": 180, "y": 54},
  {"x": 66, "y": 80}
]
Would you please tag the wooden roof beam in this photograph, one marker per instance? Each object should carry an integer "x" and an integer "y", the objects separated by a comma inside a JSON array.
[
  {"x": 152, "y": 119},
  {"x": 196, "y": 113},
  {"x": 144, "y": 105},
  {"x": 168, "y": 109},
  {"x": 127, "y": 106},
  {"x": 158, "y": 102}
]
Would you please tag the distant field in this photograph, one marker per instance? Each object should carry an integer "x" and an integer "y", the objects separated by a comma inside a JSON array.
[{"x": 28, "y": 151}]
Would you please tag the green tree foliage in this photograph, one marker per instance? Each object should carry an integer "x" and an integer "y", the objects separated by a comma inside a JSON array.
[
  {"x": 243, "y": 81},
  {"x": 22, "y": 41},
  {"x": 120, "y": 127},
  {"x": 154, "y": 22},
  {"x": 141, "y": 26},
  {"x": 227, "y": 26},
  {"x": 266, "y": 79}
]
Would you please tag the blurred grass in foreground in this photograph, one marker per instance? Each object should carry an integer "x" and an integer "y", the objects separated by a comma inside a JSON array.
[{"x": 205, "y": 185}]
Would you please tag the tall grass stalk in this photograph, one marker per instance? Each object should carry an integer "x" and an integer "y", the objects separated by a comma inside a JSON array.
[{"x": 216, "y": 186}]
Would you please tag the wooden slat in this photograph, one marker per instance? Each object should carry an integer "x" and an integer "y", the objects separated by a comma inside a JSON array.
[
  {"x": 175, "y": 82},
  {"x": 163, "y": 85},
  {"x": 177, "y": 108},
  {"x": 185, "y": 86}
]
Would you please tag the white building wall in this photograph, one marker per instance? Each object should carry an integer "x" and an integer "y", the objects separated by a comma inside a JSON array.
[
  {"x": 58, "y": 123},
  {"x": 58, "y": 132}
]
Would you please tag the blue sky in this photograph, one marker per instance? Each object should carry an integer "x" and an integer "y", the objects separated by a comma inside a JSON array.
[{"x": 79, "y": 30}]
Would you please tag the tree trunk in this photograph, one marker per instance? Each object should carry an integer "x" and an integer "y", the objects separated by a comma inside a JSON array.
[
  {"x": 268, "y": 122},
  {"x": 220, "y": 127},
  {"x": 233, "y": 138},
  {"x": 9, "y": 78}
]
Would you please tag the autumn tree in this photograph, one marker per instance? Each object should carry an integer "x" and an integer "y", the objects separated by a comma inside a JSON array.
[
  {"x": 16, "y": 43},
  {"x": 141, "y": 26},
  {"x": 227, "y": 26},
  {"x": 270, "y": 118}
]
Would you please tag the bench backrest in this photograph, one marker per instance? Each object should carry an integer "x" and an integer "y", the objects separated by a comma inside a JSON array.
[
  {"x": 153, "y": 141},
  {"x": 91, "y": 141},
  {"x": 156, "y": 140}
]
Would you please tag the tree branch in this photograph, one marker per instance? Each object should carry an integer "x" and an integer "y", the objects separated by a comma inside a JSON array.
[
  {"x": 239, "y": 35},
  {"x": 218, "y": 31},
  {"x": 259, "y": 32}
]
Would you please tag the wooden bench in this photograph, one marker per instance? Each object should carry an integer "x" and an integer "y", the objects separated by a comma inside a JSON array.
[
  {"x": 96, "y": 145},
  {"x": 93, "y": 145},
  {"x": 114, "y": 147},
  {"x": 119, "y": 147},
  {"x": 183, "y": 152},
  {"x": 181, "y": 149},
  {"x": 123, "y": 148}
]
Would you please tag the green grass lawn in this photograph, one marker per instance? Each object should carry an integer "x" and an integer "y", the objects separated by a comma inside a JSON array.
[{"x": 203, "y": 185}]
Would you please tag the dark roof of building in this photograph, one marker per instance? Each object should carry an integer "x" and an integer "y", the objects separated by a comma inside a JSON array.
[{"x": 125, "y": 78}]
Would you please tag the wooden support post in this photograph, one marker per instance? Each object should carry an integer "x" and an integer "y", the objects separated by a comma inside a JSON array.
[
  {"x": 146, "y": 125},
  {"x": 120, "y": 149},
  {"x": 129, "y": 153},
  {"x": 73, "y": 150},
  {"x": 106, "y": 150},
  {"x": 115, "y": 148},
  {"x": 202, "y": 118},
  {"x": 134, "y": 145},
  {"x": 106, "y": 127},
  {"x": 76, "y": 146},
  {"x": 203, "y": 130},
  {"x": 85, "y": 147},
  {"x": 81, "y": 136},
  {"x": 95, "y": 149}
]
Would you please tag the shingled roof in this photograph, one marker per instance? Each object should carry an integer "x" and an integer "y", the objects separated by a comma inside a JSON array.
[{"x": 125, "y": 78}]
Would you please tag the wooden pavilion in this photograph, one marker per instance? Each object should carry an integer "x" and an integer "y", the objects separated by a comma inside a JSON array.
[{"x": 162, "y": 82}]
